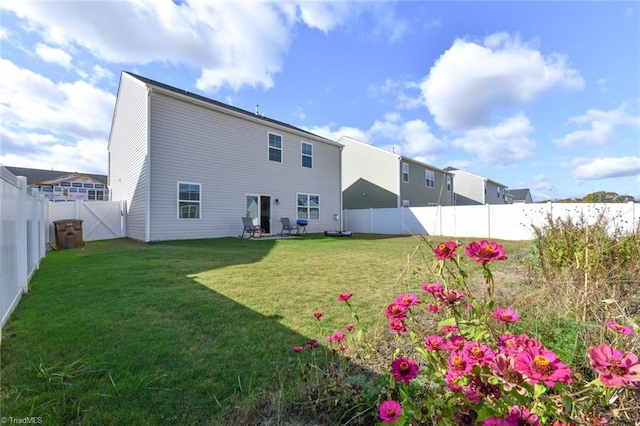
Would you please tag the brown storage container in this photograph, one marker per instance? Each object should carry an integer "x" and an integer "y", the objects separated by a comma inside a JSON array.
[{"x": 68, "y": 233}]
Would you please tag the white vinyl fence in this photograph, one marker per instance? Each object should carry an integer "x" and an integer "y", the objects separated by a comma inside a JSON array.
[
  {"x": 28, "y": 230},
  {"x": 23, "y": 239},
  {"x": 499, "y": 221}
]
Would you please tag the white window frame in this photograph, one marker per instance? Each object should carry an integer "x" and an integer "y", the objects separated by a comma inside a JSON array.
[
  {"x": 189, "y": 205},
  {"x": 275, "y": 148},
  {"x": 405, "y": 203},
  {"x": 309, "y": 156},
  {"x": 405, "y": 174},
  {"x": 306, "y": 207},
  {"x": 449, "y": 182},
  {"x": 429, "y": 179},
  {"x": 432, "y": 204},
  {"x": 96, "y": 194}
]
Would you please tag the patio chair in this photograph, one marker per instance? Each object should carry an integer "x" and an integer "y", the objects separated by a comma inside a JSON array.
[
  {"x": 250, "y": 230},
  {"x": 288, "y": 227}
]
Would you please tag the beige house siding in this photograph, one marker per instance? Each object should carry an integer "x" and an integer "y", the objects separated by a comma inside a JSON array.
[
  {"x": 128, "y": 154},
  {"x": 226, "y": 152}
]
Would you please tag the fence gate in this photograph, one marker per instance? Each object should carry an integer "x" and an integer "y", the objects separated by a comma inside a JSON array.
[{"x": 102, "y": 220}]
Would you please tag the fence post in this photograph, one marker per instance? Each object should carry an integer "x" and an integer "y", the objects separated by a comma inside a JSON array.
[
  {"x": 488, "y": 220},
  {"x": 21, "y": 234}
]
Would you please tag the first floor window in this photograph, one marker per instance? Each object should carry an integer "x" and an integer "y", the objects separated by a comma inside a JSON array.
[
  {"x": 96, "y": 194},
  {"x": 275, "y": 147},
  {"x": 188, "y": 200},
  {"x": 405, "y": 203},
  {"x": 308, "y": 206},
  {"x": 429, "y": 179}
]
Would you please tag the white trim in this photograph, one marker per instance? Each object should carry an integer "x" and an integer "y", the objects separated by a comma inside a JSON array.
[
  {"x": 178, "y": 200},
  {"x": 269, "y": 147}
]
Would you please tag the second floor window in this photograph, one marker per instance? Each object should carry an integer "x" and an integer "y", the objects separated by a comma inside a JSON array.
[
  {"x": 429, "y": 179},
  {"x": 405, "y": 172},
  {"x": 448, "y": 182},
  {"x": 307, "y": 155},
  {"x": 275, "y": 148}
]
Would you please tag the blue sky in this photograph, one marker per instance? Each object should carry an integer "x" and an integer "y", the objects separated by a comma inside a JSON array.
[{"x": 541, "y": 95}]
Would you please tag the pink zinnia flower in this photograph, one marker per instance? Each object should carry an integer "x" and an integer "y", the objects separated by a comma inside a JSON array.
[
  {"x": 404, "y": 369},
  {"x": 435, "y": 343},
  {"x": 395, "y": 310},
  {"x": 318, "y": 315},
  {"x": 619, "y": 328},
  {"x": 449, "y": 329},
  {"x": 407, "y": 300},
  {"x": 542, "y": 365},
  {"x": 455, "y": 343},
  {"x": 397, "y": 326},
  {"x": 343, "y": 297},
  {"x": 478, "y": 353},
  {"x": 503, "y": 366},
  {"x": 390, "y": 411},
  {"x": 432, "y": 287},
  {"x": 477, "y": 390},
  {"x": 521, "y": 416},
  {"x": 449, "y": 297},
  {"x": 485, "y": 251},
  {"x": 445, "y": 250},
  {"x": 458, "y": 365},
  {"x": 505, "y": 315},
  {"x": 615, "y": 369},
  {"x": 349, "y": 327},
  {"x": 312, "y": 344},
  {"x": 297, "y": 349},
  {"x": 433, "y": 308}
]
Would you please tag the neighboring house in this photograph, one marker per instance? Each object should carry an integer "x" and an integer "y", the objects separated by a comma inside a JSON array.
[
  {"x": 61, "y": 186},
  {"x": 191, "y": 167},
  {"x": 472, "y": 189},
  {"x": 375, "y": 178},
  {"x": 520, "y": 196}
]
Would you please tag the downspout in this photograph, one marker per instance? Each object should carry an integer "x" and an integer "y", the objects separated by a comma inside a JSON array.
[
  {"x": 341, "y": 201},
  {"x": 147, "y": 167}
]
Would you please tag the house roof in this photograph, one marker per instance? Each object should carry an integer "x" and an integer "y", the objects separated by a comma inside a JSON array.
[
  {"x": 399, "y": 156},
  {"x": 454, "y": 170},
  {"x": 520, "y": 194},
  {"x": 38, "y": 175},
  {"x": 213, "y": 102}
]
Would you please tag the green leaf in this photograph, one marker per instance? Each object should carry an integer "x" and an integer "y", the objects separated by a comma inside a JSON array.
[{"x": 539, "y": 389}]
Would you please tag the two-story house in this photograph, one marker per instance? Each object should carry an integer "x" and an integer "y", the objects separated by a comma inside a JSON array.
[
  {"x": 59, "y": 186},
  {"x": 520, "y": 196},
  {"x": 191, "y": 167},
  {"x": 376, "y": 178},
  {"x": 472, "y": 189}
]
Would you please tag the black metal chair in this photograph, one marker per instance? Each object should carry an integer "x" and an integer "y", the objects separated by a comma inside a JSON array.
[
  {"x": 250, "y": 230},
  {"x": 288, "y": 227}
]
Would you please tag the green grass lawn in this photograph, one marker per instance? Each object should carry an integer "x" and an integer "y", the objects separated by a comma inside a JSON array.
[{"x": 185, "y": 332}]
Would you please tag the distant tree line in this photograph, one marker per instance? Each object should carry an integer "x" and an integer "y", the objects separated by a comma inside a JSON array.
[{"x": 596, "y": 197}]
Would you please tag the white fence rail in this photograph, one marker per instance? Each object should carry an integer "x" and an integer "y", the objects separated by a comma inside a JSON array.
[
  {"x": 503, "y": 221},
  {"x": 23, "y": 239}
]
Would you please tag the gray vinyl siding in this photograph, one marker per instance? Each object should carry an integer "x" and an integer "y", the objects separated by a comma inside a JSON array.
[
  {"x": 228, "y": 156},
  {"x": 416, "y": 190},
  {"x": 369, "y": 176},
  {"x": 470, "y": 189},
  {"x": 128, "y": 153}
]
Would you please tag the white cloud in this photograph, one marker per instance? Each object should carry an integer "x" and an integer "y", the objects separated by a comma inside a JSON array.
[
  {"x": 502, "y": 145},
  {"x": 469, "y": 81},
  {"x": 411, "y": 138},
  {"x": 600, "y": 126},
  {"x": 232, "y": 43},
  {"x": 605, "y": 167},
  {"x": 53, "y": 55},
  {"x": 400, "y": 90},
  {"x": 31, "y": 101}
]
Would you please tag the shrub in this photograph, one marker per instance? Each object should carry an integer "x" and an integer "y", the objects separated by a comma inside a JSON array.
[{"x": 480, "y": 365}]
